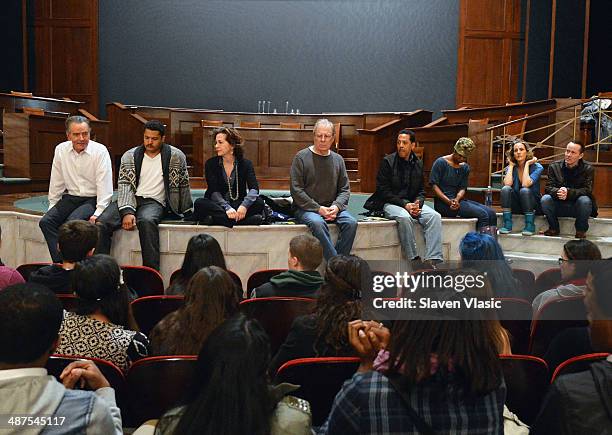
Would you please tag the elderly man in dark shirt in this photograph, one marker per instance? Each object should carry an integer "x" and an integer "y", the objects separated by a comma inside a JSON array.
[{"x": 569, "y": 191}]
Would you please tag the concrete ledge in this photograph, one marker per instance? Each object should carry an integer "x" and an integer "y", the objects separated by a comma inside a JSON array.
[{"x": 246, "y": 248}]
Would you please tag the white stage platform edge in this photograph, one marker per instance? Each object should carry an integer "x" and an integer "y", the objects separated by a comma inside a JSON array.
[{"x": 246, "y": 249}]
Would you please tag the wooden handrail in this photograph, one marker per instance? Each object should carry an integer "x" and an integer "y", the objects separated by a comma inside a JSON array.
[{"x": 537, "y": 115}]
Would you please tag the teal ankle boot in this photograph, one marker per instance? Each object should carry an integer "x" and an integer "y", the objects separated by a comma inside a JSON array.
[
  {"x": 529, "y": 229},
  {"x": 507, "y": 228}
]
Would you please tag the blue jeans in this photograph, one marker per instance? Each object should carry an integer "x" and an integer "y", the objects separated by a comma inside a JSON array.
[
  {"x": 523, "y": 202},
  {"x": 469, "y": 209},
  {"x": 431, "y": 222},
  {"x": 68, "y": 208},
  {"x": 580, "y": 209},
  {"x": 346, "y": 224}
]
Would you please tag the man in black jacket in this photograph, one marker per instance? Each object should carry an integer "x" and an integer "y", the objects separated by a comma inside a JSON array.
[
  {"x": 569, "y": 191},
  {"x": 401, "y": 195}
]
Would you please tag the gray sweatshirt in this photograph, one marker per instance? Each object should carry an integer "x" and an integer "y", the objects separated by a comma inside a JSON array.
[
  {"x": 34, "y": 393},
  {"x": 319, "y": 181}
]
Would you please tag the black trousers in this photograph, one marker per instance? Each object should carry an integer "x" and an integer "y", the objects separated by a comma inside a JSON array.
[
  {"x": 204, "y": 207},
  {"x": 68, "y": 208},
  {"x": 148, "y": 215}
]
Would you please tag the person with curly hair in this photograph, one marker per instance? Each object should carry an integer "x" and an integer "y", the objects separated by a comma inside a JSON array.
[{"x": 323, "y": 333}]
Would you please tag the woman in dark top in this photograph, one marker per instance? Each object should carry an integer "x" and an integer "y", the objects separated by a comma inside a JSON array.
[
  {"x": 211, "y": 297},
  {"x": 232, "y": 196},
  {"x": 203, "y": 250},
  {"x": 521, "y": 191},
  {"x": 324, "y": 332},
  {"x": 449, "y": 180}
]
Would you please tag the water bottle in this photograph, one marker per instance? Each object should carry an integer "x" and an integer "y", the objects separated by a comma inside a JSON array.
[{"x": 488, "y": 197}]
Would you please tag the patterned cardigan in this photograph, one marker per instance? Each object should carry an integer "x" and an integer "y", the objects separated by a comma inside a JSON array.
[{"x": 176, "y": 180}]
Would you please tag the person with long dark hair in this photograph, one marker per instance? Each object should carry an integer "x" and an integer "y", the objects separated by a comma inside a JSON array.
[
  {"x": 231, "y": 393},
  {"x": 323, "y": 333},
  {"x": 232, "y": 196},
  {"x": 202, "y": 250},
  {"x": 576, "y": 258},
  {"x": 211, "y": 297},
  {"x": 102, "y": 326},
  {"x": 431, "y": 374}
]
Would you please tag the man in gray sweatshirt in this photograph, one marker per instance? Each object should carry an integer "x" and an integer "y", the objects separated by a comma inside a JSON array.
[
  {"x": 320, "y": 190},
  {"x": 30, "y": 318}
]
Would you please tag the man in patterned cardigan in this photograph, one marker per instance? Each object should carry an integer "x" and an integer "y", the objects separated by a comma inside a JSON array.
[{"x": 153, "y": 183}]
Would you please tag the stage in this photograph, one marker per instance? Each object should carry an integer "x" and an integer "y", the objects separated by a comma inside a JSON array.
[{"x": 250, "y": 248}]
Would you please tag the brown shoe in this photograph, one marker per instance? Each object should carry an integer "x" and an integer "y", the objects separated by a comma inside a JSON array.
[
  {"x": 550, "y": 232},
  {"x": 580, "y": 234}
]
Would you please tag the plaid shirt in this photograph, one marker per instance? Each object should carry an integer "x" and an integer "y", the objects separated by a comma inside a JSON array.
[{"x": 368, "y": 404}]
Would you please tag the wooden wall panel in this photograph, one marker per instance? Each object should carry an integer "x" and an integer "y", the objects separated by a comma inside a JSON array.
[
  {"x": 488, "y": 52},
  {"x": 64, "y": 58},
  {"x": 476, "y": 86}
]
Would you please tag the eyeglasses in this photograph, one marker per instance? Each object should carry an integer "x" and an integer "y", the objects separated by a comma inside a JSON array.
[{"x": 562, "y": 260}]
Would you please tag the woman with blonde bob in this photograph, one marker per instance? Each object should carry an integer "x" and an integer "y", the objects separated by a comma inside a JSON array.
[{"x": 521, "y": 191}]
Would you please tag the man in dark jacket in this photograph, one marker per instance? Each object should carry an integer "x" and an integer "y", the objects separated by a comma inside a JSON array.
[
  {"x": 302, "y": 279},
  {"x": 569, "y": 191},
  {"x": 76, "y": 240},
  {"x": 581, "y": 403},
  {"x": 401, "y": 195}
]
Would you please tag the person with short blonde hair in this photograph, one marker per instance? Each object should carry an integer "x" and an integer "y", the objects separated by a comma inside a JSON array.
[{"x": 320, "y": 190}]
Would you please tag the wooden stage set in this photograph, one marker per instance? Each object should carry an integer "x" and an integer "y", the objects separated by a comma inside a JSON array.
[{"x": 32, "y": 127}]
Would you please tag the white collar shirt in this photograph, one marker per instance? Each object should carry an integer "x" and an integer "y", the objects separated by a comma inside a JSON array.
[{"x": 86, "y": 174}]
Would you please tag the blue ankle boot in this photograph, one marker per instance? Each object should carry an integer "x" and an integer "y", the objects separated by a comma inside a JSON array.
[
  {"x": 507, "y": 228},
  {"x": 529, "y": 229}
]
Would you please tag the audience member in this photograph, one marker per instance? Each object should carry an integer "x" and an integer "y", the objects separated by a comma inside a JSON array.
[
  {"x": 211, "y": 297},
  {"x": 202, "y": 250},
  {"x": 76, "y": 240},
  {"x": 596, "y": 337},
  {"x": 98, "y": 327},
  {"x": 231, "y": 393},
  {"x": 302, "y": 279},
  {"x": 320, "y": 190},
  {"x": 401, "y": 195},
  {"x": 449, "y": 179},
  {"x": 323, "y": 333},
  {"x": 8, "y": 275},
  {"x": 581, "y": 403},
  {"x": 232, "y": 197},
  {"x": 569, "y": 191},
  {"x": 153, "y": 183},
  {"x": 576, "y": 259},
  {"x": 521, "y": 191},
  {"x": 484, "y": 254},
  {"x": 81, "y": 183},
  {"x": 436, "y": 374},
  {"x": 30, "y": 318}
]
